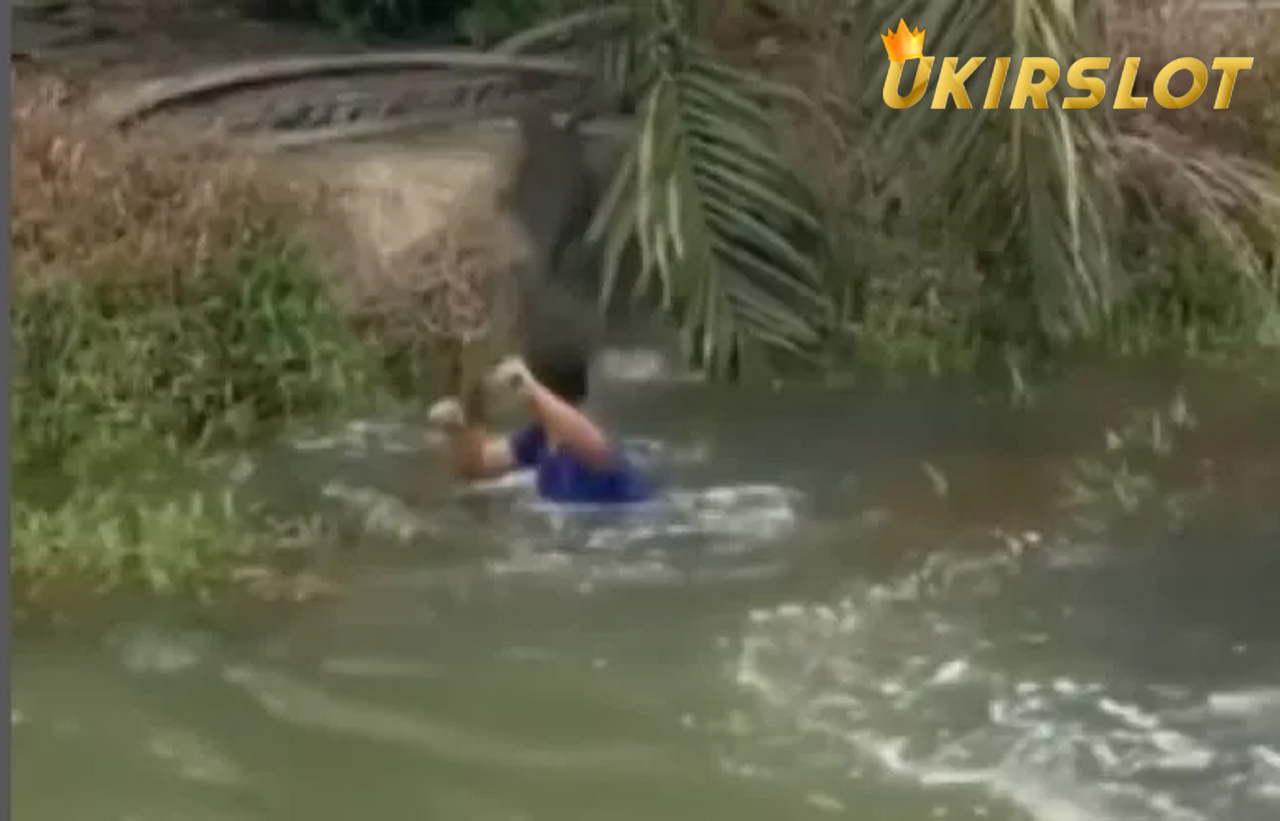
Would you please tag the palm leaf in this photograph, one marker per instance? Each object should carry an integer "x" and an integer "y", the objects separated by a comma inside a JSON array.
[
  {"x": 1035, "y": 188},
  {"x": 728, "y": 242},
  {"x": 726, "y": 238}
]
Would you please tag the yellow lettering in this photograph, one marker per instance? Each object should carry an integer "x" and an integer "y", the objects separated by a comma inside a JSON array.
[
  {"x": 951, "y": 83},
  {"x": 1096, "y": 86},
  {"x": 998, "y": 77},
  {"x": 1125, "y": 101},
  {"x": 1229, "y": 66},
  {"x": 891, "y": 80},
  {"x": 1199, "y": 79},
  {"x": 1036, "y": 91}
]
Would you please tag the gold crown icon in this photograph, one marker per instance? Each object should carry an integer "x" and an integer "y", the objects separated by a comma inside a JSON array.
[{"x": 902, "y": 44}]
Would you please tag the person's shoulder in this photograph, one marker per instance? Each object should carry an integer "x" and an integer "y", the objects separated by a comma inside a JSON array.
[{"x": 527, "y": 444}]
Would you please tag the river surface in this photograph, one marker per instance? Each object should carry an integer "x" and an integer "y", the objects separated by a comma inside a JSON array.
[{"x": 899, "y": 604}]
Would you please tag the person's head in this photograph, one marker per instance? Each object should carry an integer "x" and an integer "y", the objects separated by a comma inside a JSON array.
[
  {"x": 560, "y": 336},
  {"x": 564, "y": 373}
]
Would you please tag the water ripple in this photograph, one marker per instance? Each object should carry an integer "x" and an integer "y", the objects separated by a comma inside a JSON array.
[
  {"x": 299, "y": 703},
  {"x": 914, "y": 684}
]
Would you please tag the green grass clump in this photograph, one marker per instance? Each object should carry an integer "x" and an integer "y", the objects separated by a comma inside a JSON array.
[
  {"x": 117, "y": 387},
  {"x": 164, "y": 306},
  {"x": 220, "y": 359},
  {"x": 102, "y": 538}
]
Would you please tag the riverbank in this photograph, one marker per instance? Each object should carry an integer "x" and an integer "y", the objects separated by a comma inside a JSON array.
[
  {"x": 169, "y": 304},
  {"x": 207, "y": 303}
]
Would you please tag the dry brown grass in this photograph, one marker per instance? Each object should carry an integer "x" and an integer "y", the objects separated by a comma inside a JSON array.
[
  {"x": 450, "y": 283},
  {"x": 429, "y": 259},
  {"x": 449, "y": 300},
  {"x": 802, "y": 42},
  {"x": 1159, "y": 31},
  {"x": 88, "y": 202}
]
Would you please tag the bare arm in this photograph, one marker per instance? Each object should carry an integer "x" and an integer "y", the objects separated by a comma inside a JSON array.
[
  {"x": 562, "y": 423},
  {"x": 567, "y": 425}
]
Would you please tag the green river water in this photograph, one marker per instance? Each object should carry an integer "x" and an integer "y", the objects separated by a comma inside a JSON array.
[{"x": 863, "y": 604}]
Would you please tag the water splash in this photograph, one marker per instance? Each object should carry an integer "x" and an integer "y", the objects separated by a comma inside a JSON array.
[{"x": 913, "y": 682}]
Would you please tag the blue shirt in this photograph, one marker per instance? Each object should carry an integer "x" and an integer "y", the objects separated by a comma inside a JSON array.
[{"x": 562, "y": 476}]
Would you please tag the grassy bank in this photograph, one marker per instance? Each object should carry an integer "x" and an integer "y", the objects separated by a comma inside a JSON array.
[{"x": 165, "y": 306}]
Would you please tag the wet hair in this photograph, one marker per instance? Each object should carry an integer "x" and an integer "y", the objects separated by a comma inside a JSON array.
[
  {"x": 560, "y": 335},
  {"x": 563, "y": 373}
]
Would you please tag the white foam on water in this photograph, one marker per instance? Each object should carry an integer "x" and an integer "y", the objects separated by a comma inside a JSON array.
[
  {"x": 632, "y": 364},
  {"x": 153, "y": 651},
  {"x": 716, "y": 534},
  {"x": 642, "y": 365},
  {"x": 1249, "y": 704},
  {"x": 362, "y": 436},
  {"x": 725, "y": 519},
  {"x": 373, "y": 667},
  {"x": 195, "y": 759},
  {"x": 297, "y": 702},
  {"x": 516, "y": 480},
  {"x": 380, "y": 512},
  {"x": 915, "y": 688}
]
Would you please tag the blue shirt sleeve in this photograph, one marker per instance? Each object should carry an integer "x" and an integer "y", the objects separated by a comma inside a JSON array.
[{"x": 527, "y": 445}]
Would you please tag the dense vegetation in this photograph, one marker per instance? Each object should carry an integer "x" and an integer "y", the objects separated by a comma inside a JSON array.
[
  {"x": 152, "y": 325},
  {"x": 950, "y": 234},
  {"x": 1039, "y": 232},
  {"x": 781, "y": 213}
]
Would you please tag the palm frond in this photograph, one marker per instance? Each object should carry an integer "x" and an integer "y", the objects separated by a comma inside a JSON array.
[
  {"x": 1035, "y": 188},
  {"x": 1040, "y": 200},
  {"x": 726, "y": 237},
  {"x": 729, "y": 243}
]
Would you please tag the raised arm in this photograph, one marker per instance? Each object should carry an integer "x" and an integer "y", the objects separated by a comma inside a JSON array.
[{"x": 561, "y": 422}]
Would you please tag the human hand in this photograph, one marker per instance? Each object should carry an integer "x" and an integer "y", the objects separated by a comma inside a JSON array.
[
  {"x": 447, "y": 414},
  {"x": 512, "y": 374}
]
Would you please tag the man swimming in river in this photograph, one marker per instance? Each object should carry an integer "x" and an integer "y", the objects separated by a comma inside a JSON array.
[{"x": 575, "y": 462}]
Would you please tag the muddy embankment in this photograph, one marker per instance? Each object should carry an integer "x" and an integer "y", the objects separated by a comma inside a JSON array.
[{"x": 404, "y": 140}]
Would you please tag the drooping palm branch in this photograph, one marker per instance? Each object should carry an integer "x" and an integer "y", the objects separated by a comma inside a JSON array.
[
  {"x": 1034, "y": 191},
  {"x": 728, "y": 241},
  {"x": 1046, "y": 194},
  {"x": 1043, "y": 198}
]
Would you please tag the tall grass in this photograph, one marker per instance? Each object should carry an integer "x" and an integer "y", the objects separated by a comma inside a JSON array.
[{"x": 164, "y": 305}]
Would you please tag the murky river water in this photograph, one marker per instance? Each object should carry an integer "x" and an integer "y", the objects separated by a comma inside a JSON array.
[{"x": 872, "y": 605}]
